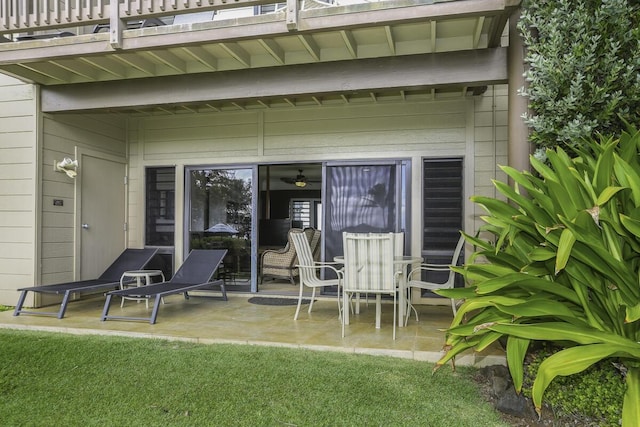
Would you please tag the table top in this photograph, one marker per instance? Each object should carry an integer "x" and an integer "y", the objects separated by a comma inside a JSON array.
[{"x": 134, "y": 273}]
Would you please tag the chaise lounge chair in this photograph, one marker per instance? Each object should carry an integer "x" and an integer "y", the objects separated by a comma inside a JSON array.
[
  {"x": 130, "y": 259},
  {"x": 195, "y": 273}
]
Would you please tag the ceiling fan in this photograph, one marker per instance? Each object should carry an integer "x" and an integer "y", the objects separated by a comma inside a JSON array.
[{"x": 299, "y": 181}]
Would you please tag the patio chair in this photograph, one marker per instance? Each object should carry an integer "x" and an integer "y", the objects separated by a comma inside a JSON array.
[
  {"x": 130, "y": 259},
  {"x": 369, "y": 268},
  {"x": 308, "y": 271},
  {"x": 281, "y": 263},
  {"x": 415, "y": 278},
  {"x": 195, "y": 273}
]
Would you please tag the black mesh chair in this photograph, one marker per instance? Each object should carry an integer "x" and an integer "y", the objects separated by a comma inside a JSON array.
[
  {"x": 195, "y": 273},
  {"x": 130, "y": 259}
]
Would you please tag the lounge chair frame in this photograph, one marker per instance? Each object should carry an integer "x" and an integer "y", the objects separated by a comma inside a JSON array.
[
  {"x": 130, "y": 259},
  {"x": 171, "y": 287}
]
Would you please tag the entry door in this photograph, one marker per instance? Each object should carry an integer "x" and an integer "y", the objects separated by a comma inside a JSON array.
[{"x": 100, "y": 211}]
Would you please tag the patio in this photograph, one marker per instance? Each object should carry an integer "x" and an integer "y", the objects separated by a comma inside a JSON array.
[{"x": 210, "y": 321}]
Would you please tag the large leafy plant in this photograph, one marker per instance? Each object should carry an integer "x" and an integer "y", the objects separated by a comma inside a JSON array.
[{"x": 561, "y": 264}]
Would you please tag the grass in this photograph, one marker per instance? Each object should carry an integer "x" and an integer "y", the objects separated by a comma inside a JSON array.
[{"x": 58, "y": 379}]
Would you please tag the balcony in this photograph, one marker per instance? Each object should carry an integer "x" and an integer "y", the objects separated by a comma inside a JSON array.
[{"x": 65, "y": 43}]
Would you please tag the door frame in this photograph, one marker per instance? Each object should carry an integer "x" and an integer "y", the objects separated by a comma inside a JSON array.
[{"x": 77, "y": 220}]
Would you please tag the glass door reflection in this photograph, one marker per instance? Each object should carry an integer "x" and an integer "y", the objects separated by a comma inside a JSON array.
[{"x": 221, "y": 216}]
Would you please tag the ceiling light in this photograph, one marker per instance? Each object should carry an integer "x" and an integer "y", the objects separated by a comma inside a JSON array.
[{"x": 301, "y": 180}]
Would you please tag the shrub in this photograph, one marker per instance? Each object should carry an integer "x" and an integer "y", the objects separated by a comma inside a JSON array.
[
  {"x": 593, "y": 396},
  {"x": 562, "y": 265},
  {"x": 583, "y": 74}
]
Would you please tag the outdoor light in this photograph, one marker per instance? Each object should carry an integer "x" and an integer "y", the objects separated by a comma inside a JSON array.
[{"x": 67, "y": 166}]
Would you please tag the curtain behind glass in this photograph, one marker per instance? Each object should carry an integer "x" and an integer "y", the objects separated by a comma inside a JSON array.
[{"x": 360, "y": 199}]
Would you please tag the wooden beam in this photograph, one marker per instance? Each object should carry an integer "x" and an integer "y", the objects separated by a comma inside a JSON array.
[
  {"x": 390, "y": 39},
  {"x": 203, "y": 56},
  {"x": 414, "y": 72},
  {"x": 311, "y": 46},
  {"x": 292, "y": 15},
  {"x": 273, "y": 49},
  {"x": 350, "y": 43},
  {"x": 116, "y": 25},
  {"x": 238, "y": 53}
]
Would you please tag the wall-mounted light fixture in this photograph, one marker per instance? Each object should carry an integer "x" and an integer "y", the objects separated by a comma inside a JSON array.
[{"x": 67, "y": 166}]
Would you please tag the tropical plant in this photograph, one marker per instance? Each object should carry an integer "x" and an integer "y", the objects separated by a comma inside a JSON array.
[
  {"x": 582, "y": 74},
  {"x": 561, "y": 265}
]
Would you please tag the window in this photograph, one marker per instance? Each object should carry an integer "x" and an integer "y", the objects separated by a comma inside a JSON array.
[
  {"x": 442, "y": 204},
  {"x": 442, "y": 211},
  {"x": 160, "y": 206},
  {"x": 304, "y": 213}
]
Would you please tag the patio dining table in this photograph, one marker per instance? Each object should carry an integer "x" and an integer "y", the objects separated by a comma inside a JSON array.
[{"x": 402, "y": 262}]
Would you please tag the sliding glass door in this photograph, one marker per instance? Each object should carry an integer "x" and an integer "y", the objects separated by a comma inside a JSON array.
[
  {"x": 364, "y": 198},
  {"x": 221, "y": 216}
]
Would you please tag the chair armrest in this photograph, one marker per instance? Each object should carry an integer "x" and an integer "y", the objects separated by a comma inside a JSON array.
[
  {"x": 320, "y": 266},
  {"x": 428, "y": 267}
]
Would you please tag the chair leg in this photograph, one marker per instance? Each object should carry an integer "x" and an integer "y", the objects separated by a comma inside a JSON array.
[
  {"x": 345, "y": 310},
  {"x": 409, "y": 308},
  {"x": 313, "y": 297},
  {"x": 295, "y": 316},
  {"x": 395, "y": 308},
  {"x": 18, "y": 309}
]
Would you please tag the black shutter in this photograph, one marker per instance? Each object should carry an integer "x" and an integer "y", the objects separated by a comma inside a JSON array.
[{"x": 443, "y": 197}]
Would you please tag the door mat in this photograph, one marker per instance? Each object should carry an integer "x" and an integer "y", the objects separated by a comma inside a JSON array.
[{"x": 276, "y": 301}]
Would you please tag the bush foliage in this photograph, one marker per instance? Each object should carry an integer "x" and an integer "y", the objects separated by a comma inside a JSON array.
[
  {"x": 584, "y": 68},
  {"x": 561, "y": 264},
  {"x": 593, "y": 397}
]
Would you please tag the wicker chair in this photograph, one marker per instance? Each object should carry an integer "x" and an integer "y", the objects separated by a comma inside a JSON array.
[{"x": 280, "y": 263}]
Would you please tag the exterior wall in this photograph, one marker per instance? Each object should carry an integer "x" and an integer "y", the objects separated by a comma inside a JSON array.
[
  {"x": 409, "y": 130},
  {"x": 491, "y": 145},
  {"x": 475, "y": 128},
  {"x": 18, "y": 187},
  {"x": 62, "y": 134}
]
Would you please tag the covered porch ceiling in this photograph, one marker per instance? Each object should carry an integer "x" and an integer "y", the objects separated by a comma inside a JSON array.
[{"x": 367, "y": 52}]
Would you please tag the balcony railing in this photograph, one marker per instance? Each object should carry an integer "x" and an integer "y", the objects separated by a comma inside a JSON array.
[{"x": 31, "y": 16}]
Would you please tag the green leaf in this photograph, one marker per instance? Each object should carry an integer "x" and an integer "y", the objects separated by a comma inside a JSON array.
[
  {"x": 631, "y": 224},
  {"x": 604, "y": 167},
  {"x": 632, "y": 314},
  {"x": 607, "y": 194},
  {"x": 541, "y": 254},
  {"x": 628, "y": 177},
  {"x": 516, "y": 351},
  {"x": 487, "y": 339},
  {"x": 567, "y": 239},
  {"x": 562, "y": 331},
  {"x": 543, "y": 308}
]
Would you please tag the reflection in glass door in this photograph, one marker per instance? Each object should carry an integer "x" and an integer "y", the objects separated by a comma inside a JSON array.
[
  {"x": 363, "y": 198},
  {"x": 221, "y": 216}
]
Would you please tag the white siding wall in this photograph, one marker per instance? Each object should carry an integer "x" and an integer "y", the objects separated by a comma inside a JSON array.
[
  {"x": 491, "y": 144},
  {"x": 61, "y": 135},
  {"x": 18, "y": 187},
  {"x": 474, "y": 127},
  {"x": 457, "y": 127}
]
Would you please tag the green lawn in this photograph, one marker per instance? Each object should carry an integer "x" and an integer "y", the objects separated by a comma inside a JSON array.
[{"x": 51, "y": 379}]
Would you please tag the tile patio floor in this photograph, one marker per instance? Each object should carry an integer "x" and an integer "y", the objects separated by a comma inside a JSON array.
[{"x": 211, "y": 320}]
